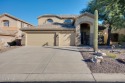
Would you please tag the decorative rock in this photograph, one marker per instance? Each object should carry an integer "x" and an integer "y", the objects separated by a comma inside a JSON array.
[
  {"x": 104, "y": 54},
  {"x": 97, "y": 59},
  {"x": 95, "y": 53},
  {"x": 113, "y": 46},
  {"x": 101, "y": 54}
]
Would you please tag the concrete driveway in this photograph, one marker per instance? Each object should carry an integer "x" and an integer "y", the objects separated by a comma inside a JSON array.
[{"x": 44, "y": 64}]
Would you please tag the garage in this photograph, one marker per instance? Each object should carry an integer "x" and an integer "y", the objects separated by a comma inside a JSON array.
[
  {"x": 40, "y": 39},
  {"x": 67, "y": 39},
  {"x": 49, "y": 36}
]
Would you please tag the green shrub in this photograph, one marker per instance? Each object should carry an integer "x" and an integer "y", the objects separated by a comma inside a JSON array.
[{"x": 112, "y": 55}]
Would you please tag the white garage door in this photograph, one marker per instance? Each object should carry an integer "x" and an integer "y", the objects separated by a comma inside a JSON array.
[
  {"x": 66, "y": 39},
  {"x": 40, "y": 39}
]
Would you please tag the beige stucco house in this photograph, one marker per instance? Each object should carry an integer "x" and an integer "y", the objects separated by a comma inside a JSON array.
[
  {"x": 63, "y": 30},
  {"x": 10, "y": 27}
]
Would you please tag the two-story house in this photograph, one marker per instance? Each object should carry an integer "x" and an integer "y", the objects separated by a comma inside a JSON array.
[
  {"x": 64, "y": 30},
  {"x": 10, "y": 27}
]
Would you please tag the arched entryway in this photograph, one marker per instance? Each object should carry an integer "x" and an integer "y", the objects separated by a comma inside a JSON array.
[{"x": 85, "y": 34}]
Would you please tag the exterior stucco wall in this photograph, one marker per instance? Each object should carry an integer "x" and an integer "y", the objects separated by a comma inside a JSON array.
[
  {"x": 19, "y": 24},
  {"x": 79, "y": 21},
  {"x": 91, "y": 34},
  {"x": 119, "y": 31},
  {"x": 43, "y": 20},
  {"x": 25, "y": 25},
  {"x": 7, "y": 38},
  {"x": 22, "y": 24}
]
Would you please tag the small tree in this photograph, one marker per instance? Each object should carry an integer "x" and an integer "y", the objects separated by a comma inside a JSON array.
[
  {"x": 96, "y": 31},
  {"x": 111, "y": 13}
]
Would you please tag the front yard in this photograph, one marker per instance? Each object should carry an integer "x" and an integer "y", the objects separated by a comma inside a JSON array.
[{"x": 110, "y": 62}]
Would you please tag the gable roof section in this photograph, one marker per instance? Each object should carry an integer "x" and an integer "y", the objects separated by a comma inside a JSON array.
[{"x": 14, "y": 18}]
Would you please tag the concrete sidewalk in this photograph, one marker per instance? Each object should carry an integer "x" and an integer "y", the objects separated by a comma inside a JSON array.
[
  {"x": 49, "y": 64},
  {"x": 82, "y": 78}
]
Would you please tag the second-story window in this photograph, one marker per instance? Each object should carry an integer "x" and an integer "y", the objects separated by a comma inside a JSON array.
[
  {"x": 6, "y": 23},
  {"x": 68, "y": 21},
  {"x": 49, "y": 21}
]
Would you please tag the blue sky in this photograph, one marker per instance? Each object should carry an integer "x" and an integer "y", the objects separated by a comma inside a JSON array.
[{"x": 29, "y": 10}]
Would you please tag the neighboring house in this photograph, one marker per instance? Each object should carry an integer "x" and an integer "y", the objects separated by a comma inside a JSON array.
[
  {"x": 10, "y": 27},
  {"x": 64, "y": 30}
]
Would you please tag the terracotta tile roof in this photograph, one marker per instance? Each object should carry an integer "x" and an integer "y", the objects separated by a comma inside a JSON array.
[
  {"x": 52, "y": 26},
  {"x": 67, "y": 16}
]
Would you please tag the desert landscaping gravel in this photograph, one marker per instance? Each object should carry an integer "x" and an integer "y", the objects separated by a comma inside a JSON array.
[{"x": 108, "y": 65}]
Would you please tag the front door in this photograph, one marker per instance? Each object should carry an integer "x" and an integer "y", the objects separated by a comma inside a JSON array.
[{"x": 84, "y": 38}]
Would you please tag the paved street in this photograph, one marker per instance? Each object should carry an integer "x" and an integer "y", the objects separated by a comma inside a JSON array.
[{"x": 48, "y": 64}]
